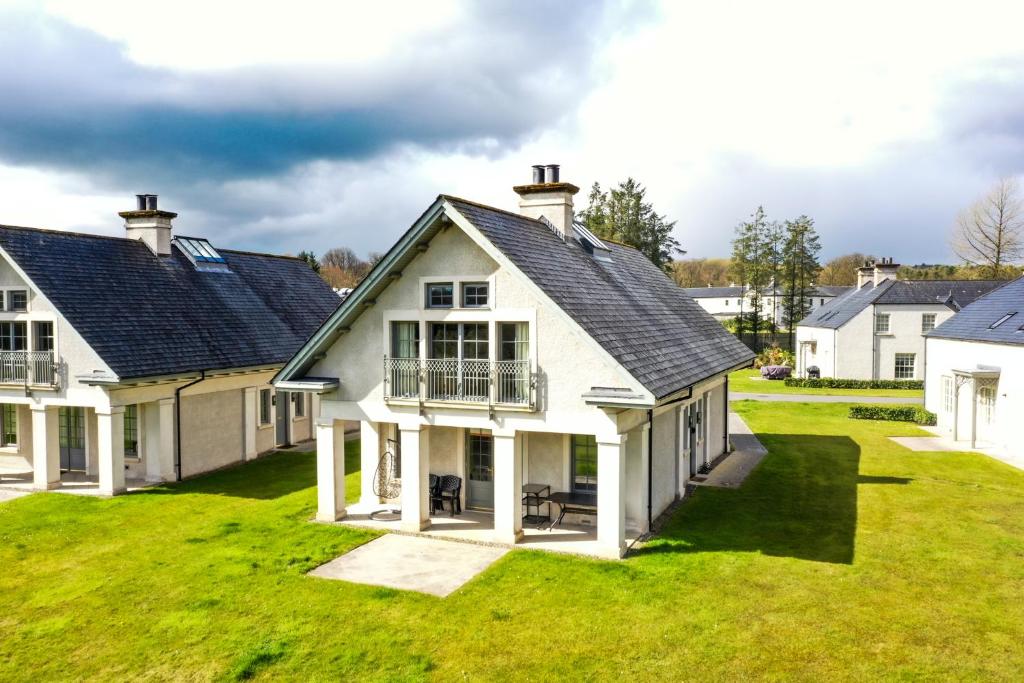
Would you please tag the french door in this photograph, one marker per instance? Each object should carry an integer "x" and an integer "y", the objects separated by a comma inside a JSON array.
[
  {"x": 458, "y": 367},
  {"x": 480, "y": 469},
  {"x": 72, "y": 439}
]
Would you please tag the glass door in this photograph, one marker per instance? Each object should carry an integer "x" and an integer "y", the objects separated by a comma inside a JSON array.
[
  {"x": 72, "y": 439},
  {"x": 480, "y": 468}
]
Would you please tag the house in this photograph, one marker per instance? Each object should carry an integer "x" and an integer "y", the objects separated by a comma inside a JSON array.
[
  {"x": 974, "y": 380},
  {"x": 724, "y": 303},
  {"x": 876, "y": 331},
  {"x": 146, "y": 357},
  {"x": 522, "y": 354}
]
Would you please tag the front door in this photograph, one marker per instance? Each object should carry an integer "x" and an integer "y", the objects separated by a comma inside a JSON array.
[
  {"x": 281, "y": 399},
  {"x": 480, "y": 469},
  {"x": 72, "y": 439}
]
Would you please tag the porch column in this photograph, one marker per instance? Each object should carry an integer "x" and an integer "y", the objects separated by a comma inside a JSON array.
[
  {"x": 110, "y": 442},
  {"x": 369, "y": 458},
  {"x": 159, "y": 443},
  {"x": 508, "y": 488},
  {"x": 611, "y": 499},
  {"x": 974, "y": 413},
  {"x": 249, "y": 420},
  {"x": 45, "y": 448},
  {"x": 415, "y": 454},
  {"x": 330, "y": 470}
]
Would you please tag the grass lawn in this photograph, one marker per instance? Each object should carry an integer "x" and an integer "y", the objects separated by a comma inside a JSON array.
[
  {"x": 749, "y": 381},
  {"x": 843, "y": 556}
]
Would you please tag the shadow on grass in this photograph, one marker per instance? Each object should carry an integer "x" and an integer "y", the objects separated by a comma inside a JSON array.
[
  {"x": 272, "y": 476},
  {"x": 801, "y": 502}
]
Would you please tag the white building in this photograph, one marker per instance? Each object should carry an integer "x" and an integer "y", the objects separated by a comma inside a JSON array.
[
  {"x": 145, "y": 357},
  {"x": 975, "y": 372},
  {"x": 726, "y": 303},
  {"x": 876, "y": 331},
  {"x": 518, "y": 353}
]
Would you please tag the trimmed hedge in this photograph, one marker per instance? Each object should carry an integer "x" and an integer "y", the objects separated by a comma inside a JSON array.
[
  {"x": 836, "y": 383},
  {"x": 915, "y": 414}
]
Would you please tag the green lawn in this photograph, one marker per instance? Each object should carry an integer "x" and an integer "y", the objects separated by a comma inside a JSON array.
[
  {"x": 843, "y": 556},
  {"x": 749, "y": 381}
]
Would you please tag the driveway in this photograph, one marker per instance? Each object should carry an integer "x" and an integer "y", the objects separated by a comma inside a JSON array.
[{"x": 821, "y": 398}]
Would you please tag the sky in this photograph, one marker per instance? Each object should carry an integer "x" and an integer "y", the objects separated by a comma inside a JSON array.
[{"x": 311, "y": 125}]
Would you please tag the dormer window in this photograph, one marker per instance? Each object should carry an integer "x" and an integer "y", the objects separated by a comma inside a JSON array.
[
  {"x": 474, "y": 294},
  {"x": 440, "y": 295}
]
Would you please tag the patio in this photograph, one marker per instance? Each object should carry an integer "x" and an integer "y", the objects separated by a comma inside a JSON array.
[{"x": 77, "y": 483}]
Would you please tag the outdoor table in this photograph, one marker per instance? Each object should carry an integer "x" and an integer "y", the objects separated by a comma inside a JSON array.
[{"x": 573, "y": 502}]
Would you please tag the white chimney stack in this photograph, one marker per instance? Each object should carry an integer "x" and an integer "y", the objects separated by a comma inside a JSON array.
[
  {"x": 149, "y": 224},
  {"x": 886, "y": 270},
  {"x": 865, "y": 274},
  {"x": 548, "y": 198}
]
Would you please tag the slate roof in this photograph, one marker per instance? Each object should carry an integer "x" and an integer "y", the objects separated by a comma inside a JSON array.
[
  {"x": 953, "y": 293},
  {"x": 149, "y": 315},
  {"x": 974, "y": 322},
  {"x": 727, "y": 292},
  {"x": 632, "y": 309}
]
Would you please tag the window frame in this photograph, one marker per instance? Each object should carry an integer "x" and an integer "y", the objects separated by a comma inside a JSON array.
[
  {"x": 588, "y": 443},
  {"x": 429, "y": 295},
  {"x": 265, "y": 418},
  {"x": 9, "y": 335},
  {"x": 37, "y": 325},
  {"x": 9, "y": 300},
  {"x": 925, "y": 317},
  {"x": 298, "y": 404},
  {"x": 8, "y": 422},
  {"x": 986, "y": 404},
  {"x": 948, "y": 394},
  {"x": 465, "y": 286},
  {"x": 131, "y": 429},
  {"x": 897, "y": 366},
  {"x": 887, "y": 329}
]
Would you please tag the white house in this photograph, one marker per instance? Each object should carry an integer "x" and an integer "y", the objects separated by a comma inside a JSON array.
[
  {"x": 974, "y": 380},
  {"x": 523, "y": 355},
  {"x": 725, "y": 303},
  {"x": 145, "y": 357},
  {"x": 876, "y": 331}
]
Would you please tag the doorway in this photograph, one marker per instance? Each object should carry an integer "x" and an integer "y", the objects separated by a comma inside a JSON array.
[
  {"x": 72, "y": 439},
  {"x": 282, "y": 403},
  {"x": 479, "y": 469}
]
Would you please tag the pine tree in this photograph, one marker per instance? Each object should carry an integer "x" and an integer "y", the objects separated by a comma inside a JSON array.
[
  {"x": 623, "y": 215},
  {"x": 800, "y": 268},
  {"x": 752, "y": 266}
]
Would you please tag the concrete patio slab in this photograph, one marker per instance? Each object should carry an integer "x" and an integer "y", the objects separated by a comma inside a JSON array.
[
  {"x": 731, "y": 472},
  {"x": 944, "y": 444},
  {"x": 6, "y": 495},
  {"x": 412, "y": 563}
]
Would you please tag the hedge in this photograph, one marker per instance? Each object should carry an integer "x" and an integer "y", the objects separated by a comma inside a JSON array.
[
  {"x": 836, "y": 383},
  {"x": 893, "y": 413}
]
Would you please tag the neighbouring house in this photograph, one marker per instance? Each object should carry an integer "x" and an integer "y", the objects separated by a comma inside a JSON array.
[
  {"x": 527, "y": 357},
  {"x": 974, "y": 381},
  {"x": 876, "y": 331},
  {"x": 726, "y": 303},
  {"x": 148, "y": 356}
]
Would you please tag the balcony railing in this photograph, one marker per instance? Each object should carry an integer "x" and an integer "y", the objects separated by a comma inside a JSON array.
[
  {"x": 503, "y": 382},
  {"x": 28, "y": 368}
]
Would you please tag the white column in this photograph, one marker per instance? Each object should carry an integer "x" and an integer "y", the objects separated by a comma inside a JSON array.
[
  {"x": 415, "y": 454},
  {"x": 250, "y": 396},
  {"x": 45, "y": 448},
  {"x": 369, "y": 459},
  {"x": 611, "y": 499},
  {"x": 159, "y": 443},
  {"x": 110, "y": 443},
  {"x": 330, "y": 470},
  {"x": 508, "y": 489}
]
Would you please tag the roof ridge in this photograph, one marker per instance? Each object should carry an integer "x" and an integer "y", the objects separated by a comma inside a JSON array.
[
  {"x": 61, "y": 231},
  {"x": 492, "y": 208}
]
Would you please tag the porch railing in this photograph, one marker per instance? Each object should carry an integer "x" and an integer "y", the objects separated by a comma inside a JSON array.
[
  {"x": 29, "y": 368},
  {"x": 505, "y": 382}
]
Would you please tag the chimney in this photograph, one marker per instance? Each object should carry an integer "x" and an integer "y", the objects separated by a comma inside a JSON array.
[
  {"x": 548, "y": 198},
  {"x": 865, "y": 274},
  {"x": 149, "y": 224},
  {"x": 886, "y": 270}
]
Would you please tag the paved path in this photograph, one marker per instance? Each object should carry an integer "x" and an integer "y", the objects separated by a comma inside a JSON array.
[
  {"x": 822, "y": 398},
  {"x": 8, "y": 494},
  {"x": 733, "y": 471}
]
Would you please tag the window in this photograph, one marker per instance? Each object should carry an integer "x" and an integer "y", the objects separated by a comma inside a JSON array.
[
  {"x": 927, "y": 322},
  {"x": 200, "y": 250},
  {"x": 947, "y": 394},
  {"x": 904, "y": 366},
  {"x": 987, "y": 404},
  {"x": 474, "y": 294},
  {"x": 9, "y": 424},
  {"x": 405, "y": 339},
  {"x": 882, "y": 323},
  {"x": 513, "y": 385},
  {"x": 264, "y": 406},
  {"x": 17, "y": 300},
  {"x": 131, "y": 431},
  {"x": 13, "y": 336},
  {"x": 821, "y": 302},
  {"x": 480, "y": 451},
  {"x": 739, "y": 302},
  {"x": 726, "y": 302},
  {"x": 1002, "y": 320},
  {"x": 584, "y": 463},
  {"x": 42, "y": 335},
  {"x": 474, "y": 341},
  {"x": 439, "y": 295},
  {"x": 299, "y": 401}
]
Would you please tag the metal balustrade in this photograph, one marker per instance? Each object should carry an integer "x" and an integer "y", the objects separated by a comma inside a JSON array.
[
  {"x": 29, "y": 368},
  {"x": 506, "y": 382}
]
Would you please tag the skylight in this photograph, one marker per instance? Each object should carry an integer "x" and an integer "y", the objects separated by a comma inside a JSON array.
[
  {"x": 591, "y": 242},
  {"x": 199, "y": 249},
  {"x": 1002, "y": 320}
]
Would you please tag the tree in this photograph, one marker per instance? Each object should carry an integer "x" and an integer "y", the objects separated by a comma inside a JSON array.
[
  {"x": 311, "y": 260},
  {"x": 623, "y": 215},
  {"x": 342, "y": 268},
  {"x": 774, "y": 247},
  {"x": 752, "y": 267},
  {"x": 842, "y": 270},
  {"x": 800, "y": 268},
  {"x": 701, "y": 272},
  {"x": 990, "y": 232}
]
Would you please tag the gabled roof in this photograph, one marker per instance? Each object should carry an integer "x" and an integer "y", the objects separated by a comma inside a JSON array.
[
  {"x": 148, "y": 315},
  {"x": 951, "y": 293},
  {"x": 713, "y": 292},
  {"x": 657, "y": 333},
  {"x": 975, "y": 322}
]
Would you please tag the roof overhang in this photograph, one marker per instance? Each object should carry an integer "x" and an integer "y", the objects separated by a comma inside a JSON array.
[
  {"x": 614, "y": 397},
  {"x": 108, "y": 380},
  {"x": 978, "y": 373},
  {"x": 311, "y": 385}
]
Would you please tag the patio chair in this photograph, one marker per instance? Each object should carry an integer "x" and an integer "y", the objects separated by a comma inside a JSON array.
[
  {"x": 450, "y": 489},
  {"x": 434, "y": 486}
]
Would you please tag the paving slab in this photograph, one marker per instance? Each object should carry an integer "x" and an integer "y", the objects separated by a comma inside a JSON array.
[
  {"x": 945, "y": 445},
  {"x": 731, "y": 472},
  {"x": 412, "y": 563},
  {"x": 10, "y": 494},
  {"x": 823, "y": 398}
]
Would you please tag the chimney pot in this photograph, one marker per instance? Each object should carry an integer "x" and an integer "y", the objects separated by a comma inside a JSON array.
[
  {"x": 549, "y": 199},
  {"x": 538, "y": 174},
  {"x": 551, "y": 173},
  {"x": 151, "y": 202},
  {"x": 149, "y": 224}
]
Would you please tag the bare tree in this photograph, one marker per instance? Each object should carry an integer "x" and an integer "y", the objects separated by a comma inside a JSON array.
[
  {"x": 990, "y": 233},
  {"x": 842, "y": 270}
]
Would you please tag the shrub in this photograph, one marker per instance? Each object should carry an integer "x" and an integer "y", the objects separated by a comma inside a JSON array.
[
  {"x": 774, "y": 355},
  {"x": 775, "y": 371},
  {"x": 915, "y": 414},
  {"x": 837, "y": 383}
]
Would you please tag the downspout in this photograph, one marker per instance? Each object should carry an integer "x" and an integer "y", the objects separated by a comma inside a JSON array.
[
  {"x": 650, "y": 469},
  {"x": 725, "y": 416},
  {"x": 177, "y": 423}
]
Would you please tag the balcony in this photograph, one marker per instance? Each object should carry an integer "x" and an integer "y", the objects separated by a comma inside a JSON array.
[
  {"x": 482, "y": 382},
  {"x": 28, "y": 368}
]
